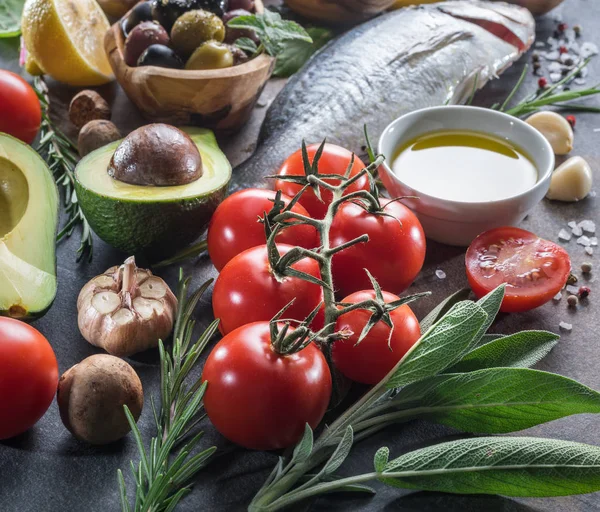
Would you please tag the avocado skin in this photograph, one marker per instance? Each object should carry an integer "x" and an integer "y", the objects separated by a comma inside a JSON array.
[{"x": 162, "y": 228}]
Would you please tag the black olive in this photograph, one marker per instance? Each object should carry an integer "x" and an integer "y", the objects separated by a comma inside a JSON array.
[
  {"x": 141, "y": 12},
  {"x": 161, "y": 56},
  {"x": 166, "y": 12}
]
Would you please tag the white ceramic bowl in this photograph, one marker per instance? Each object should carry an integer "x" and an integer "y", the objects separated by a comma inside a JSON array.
[{"x": 457, "y": 222}]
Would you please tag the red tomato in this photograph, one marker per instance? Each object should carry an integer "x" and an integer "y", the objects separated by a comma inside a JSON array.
[
  {"x": 534, "y": 270},
  {"x": 20, "y": 110},
  {"x": 260, "y": 399},
  {"x": 28, "y": 377},
  {"x": 235, "y": 226},
  {"x": 247, "y": 291},
  {"x": 334, "y": 160},
  {"x": 394, "y": 253},
  {"x": 372, "y": 359}
]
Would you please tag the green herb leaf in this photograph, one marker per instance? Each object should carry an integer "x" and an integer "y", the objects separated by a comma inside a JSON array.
[
  {"x": 443, "y": 307},
  {"x": 500, "y": 465},
  {"x": 10, "y": 17},
  {"x": 246, "y": 44},
  {"x": 497, "y": 400},
  {"x": 339, "y": 455},
  {"x": 381, "y": 458},
  {"x": 304, "y": 448},
  {"x": 441, "y": 346},
  {"x": 272, "y": 30},
  {"x": 491, "y": 305},
  {"x": 520, "y": 350},
  {"x": 295, "y": 53}
]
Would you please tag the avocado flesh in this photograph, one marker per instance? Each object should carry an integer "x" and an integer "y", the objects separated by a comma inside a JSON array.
[
  {"x": 28, "y": 220},
  {"x": 149, "y": 220}
]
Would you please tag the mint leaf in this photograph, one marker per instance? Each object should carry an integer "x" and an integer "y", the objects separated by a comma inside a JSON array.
[
  {"x": 497, "y": 400},
  {"x": 10, "y": 17},
  {"x": 509, "y": 466},
  {"x": 246, "y": 44},
  {"x": 272, "y": 30},
  {"x": 295, "y": 53}
]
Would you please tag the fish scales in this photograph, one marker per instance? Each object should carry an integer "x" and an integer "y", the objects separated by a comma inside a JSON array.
[{"x": 399, "y": 62}]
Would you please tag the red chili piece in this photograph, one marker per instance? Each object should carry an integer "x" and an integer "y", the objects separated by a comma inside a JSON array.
[
  {"x": 542, "y": 83},
  {"x": 571, "y": 120},
  {"x": 584, "y": 292},
  {"x": 562, "y": 27},
  {"x": 563, "y": 49}
]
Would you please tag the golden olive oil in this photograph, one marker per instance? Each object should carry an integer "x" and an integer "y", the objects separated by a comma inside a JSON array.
[{"x": 464, "y": 166}]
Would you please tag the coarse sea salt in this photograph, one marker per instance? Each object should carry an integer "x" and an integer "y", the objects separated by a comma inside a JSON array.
[
  {"x": 584, "y": 240},
  {"x": 588, "y": 226},
  {"x": 565, "y": 326},
  {"x": 440, "y": 274},
  {"x": 594, "y": 241},
  {"x": 577, "y": 231},
  {"x": 589, "y": 251},
  {"x": 572, "y": 289},
  {"x": 557, "y": 297},
  {"x": 588, "y": 49},
  {"x": 572, "y": 224},
  {"x": 564, "y": 235}
]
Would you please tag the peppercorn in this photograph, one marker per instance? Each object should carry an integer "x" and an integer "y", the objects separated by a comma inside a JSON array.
[
  {"x": 536, "y": 67},
  {"x": 562, "y": 27},
  {"x": 572, "y": 301},
  {"x": 577, "y": 30},
  {"x": 542, "y": 83},
  {"x": 535, "y": 56},
  {"x": 572, "y": 279},
  {"x": 572, "y": 120},
  {"x": 569, "y": 61},
  {"x": 584, "y": 292},
  {"x": 586, "y": 267}
]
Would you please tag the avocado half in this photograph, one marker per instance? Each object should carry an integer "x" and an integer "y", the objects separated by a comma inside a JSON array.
[
  {"x": 29, "y": 205},
  {"x": 149, "y": 220}
]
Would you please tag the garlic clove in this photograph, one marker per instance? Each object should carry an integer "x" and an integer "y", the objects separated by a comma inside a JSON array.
[
  {"x": 571, "y": 181},
  {"x": 106, "y": 302},
  {"x": 123, "y": 316},
  {"x": 104, "y": 281},
  {"x": 555, "y": 128},
  {"x": 153, "y": 288},
  {"x": 147, "y": 307}
]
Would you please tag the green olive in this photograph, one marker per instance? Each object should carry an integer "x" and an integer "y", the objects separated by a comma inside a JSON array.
[
  {"x": 211, "y": 55},
  {"x": 194, "y": 28}
]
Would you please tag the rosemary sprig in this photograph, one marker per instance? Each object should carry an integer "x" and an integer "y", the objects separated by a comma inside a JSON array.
[
  {"x": 162, "y": 478},
  {"x": 61, "y": 156},
  {"x": 550, "y": 96}
]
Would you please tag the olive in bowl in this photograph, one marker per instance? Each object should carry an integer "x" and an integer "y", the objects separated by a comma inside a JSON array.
[
  {"x": 211, "y": 55},
  {"x": 141, "y": 37},
  {"x": 161, "y": 56},
  {"x": 141, "y": 12},
  {"x": 194, "y": 28}
]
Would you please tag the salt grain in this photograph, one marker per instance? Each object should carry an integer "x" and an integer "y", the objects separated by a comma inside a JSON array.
[
  {"x": 555, "y": 67},
  {"x": 557, "y": 297},
  {"x": 589, "y": 251},
  {"x": 588, "y": 226},
  {"x": 573, "y": 290},
  {"x": 572, "y": 224},
  {"x": 564, "y": 235},
  {"x": 540, "y": 44},
  {"x": 577, "y": 231},
  {"x": 594, "y": 241},
  {"x": 555, "y": 77},
  {"x": 565, "y": 326},
  {"x": 588, "y": 49},
  {"x": 440, "y": 274},
  {"x": 553, "y": 55},
  {"x": 584, "y": 240}
]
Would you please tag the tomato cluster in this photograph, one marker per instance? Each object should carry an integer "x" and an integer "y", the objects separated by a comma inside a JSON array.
[{"x": 262, "y": 399}]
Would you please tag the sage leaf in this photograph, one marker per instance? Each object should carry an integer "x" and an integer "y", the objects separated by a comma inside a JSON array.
[
  {"x": 295, "y": 53},
  {"x": 491, "y": 305},
  {"x": 520, "y": 350},
  {"x": 10, "y": 17},
  {"x": 339, "y": 455},
  {"x": 497, "y": 400},
  {"x": 304, "y": 448},
  {"x": 441, "y": 346},
  {"x": 443, "y": 307},
  {"x": 271, "y": 29},
  {"x": 381, "y": 458},
  {"x": 509, "y": 466},
  {"x": 359, "y": 488}
]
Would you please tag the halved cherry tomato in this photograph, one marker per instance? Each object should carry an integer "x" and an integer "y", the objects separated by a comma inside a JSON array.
[
  {"x": 20, "y": 110},
  {"x": 28, "y": 376},
  {"x": 372, "y": 359},
  {"x": 334, "y": 160},
  {"x": 235, "y": 226},
  {"x": 248, "y": 291},
  {"x": 394, "y": 253},
  {"x": 260, "y": 399},
  {"x": 534, "y": 269}
]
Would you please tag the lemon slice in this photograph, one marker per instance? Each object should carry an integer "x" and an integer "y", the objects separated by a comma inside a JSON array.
[{"x": 65, "y": 38}]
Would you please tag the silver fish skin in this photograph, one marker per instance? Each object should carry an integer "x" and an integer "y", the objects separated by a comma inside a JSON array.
[{"x": 399, "y": 62}]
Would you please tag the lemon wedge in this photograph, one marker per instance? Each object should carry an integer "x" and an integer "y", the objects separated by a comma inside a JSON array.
[{"x": 65, "y": 38}]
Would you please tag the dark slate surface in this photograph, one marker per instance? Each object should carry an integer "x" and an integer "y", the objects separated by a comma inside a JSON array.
[{"x": 47, "y": 470}]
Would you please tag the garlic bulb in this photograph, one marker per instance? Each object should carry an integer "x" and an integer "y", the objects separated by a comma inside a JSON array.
[
  {"x": 571, "y": 181},
  {"x": 555, "y": 128},
  {"x": 126, "y": 310}
]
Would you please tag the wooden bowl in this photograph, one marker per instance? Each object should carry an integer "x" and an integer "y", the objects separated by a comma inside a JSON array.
[
  {"x": 338, "y": 12},
  {"x": 220, "y": 99}
]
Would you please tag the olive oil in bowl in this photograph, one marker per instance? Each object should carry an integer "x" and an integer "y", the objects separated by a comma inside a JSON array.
[{"x": 464, "y": 166}]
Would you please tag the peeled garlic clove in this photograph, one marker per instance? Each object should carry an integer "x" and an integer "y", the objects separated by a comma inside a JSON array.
[
  {"x": 126, "y": 310},
  {"x": 571, "y": 181},
  {"x": 555, "y": 128}
]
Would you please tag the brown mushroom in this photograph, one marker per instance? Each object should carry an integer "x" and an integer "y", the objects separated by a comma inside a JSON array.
[
  {"x": 156, "y": 155},
  {"x": 91, "y": 396}
]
